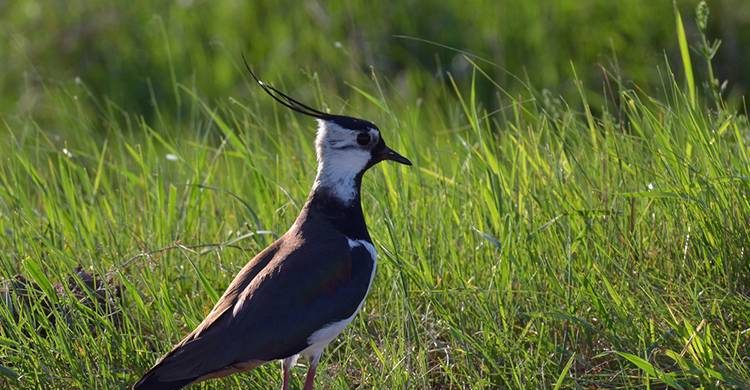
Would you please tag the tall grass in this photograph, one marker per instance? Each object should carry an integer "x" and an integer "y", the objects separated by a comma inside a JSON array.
[{"x": 536, "y": 244}]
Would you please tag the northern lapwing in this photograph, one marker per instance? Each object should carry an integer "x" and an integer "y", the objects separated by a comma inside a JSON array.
[{"x": 298, "y": 294}]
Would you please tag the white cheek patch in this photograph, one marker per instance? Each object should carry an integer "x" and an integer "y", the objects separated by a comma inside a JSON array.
[
  {"x": 340, "y": 160},
  {"x": 333, "y": 135}
]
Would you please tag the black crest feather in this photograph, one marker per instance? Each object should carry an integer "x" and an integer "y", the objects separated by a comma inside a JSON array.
[
  {"x": 346, "y": 122},
  {"x": 287, "y": 100}
]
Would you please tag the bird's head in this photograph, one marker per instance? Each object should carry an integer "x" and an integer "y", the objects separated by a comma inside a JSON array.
[
  {"x": 353, "y": 142},
  {"x": 346, "y": 147}
]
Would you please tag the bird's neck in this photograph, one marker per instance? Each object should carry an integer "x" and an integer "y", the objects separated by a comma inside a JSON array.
[
  {"x": 337, "y": 200},
  {"x": 339, "y": 180}
]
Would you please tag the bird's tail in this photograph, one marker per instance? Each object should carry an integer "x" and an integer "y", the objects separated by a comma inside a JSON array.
[{"x": 152, "y": 380}]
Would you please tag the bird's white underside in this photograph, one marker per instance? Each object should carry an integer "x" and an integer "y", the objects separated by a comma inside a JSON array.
[{"x": 322, "y": 337}]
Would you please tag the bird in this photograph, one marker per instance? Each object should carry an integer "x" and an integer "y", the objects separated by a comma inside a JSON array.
[{"x": 298, "y": 294}]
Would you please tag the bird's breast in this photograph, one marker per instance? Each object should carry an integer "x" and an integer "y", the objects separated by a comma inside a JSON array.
[{"x": 322, "y": 337}]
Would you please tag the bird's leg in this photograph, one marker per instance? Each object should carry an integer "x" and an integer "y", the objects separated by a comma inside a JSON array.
[
  {"x": 310, "y": 378},
  {"x": 285, "y": 376},
  {"x": 286, "y": 371}
]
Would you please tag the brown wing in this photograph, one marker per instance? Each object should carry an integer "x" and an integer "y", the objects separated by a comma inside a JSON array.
[{"x": 232, "y": 293}]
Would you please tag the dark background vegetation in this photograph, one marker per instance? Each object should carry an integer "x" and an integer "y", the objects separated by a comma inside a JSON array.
[{"x": 133, "y": 52}]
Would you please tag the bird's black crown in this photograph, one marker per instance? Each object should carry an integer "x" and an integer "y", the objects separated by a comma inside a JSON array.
[{"x": 351, "y": 123}]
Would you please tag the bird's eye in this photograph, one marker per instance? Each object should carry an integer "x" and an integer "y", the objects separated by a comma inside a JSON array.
[{"x": 363, "y": 139}]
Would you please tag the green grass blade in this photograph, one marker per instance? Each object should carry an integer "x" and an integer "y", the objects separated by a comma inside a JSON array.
[{"x": 687, "y": 65}]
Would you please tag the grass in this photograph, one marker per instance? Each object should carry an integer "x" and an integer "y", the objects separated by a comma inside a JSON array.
[{"x": 534, "y": 244}]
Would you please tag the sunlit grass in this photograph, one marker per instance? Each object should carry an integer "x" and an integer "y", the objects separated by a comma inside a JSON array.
[
  {"x": 538, "y": 243},
  {"x": 530, "y": 247}
]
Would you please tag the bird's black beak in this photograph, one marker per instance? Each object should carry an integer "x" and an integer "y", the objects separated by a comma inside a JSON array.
[{"x": 390, "y": 154}]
